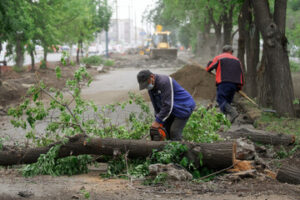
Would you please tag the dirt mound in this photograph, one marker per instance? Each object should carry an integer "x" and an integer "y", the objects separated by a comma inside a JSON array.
[
  {"x": 198, "y": 82},
  {"x": 9, "y": 91}
]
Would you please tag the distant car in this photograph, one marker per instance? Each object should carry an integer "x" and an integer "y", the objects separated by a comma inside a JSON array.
[
  {"x": 93, "y": 50},
  {"x": 64, "y": 48},
  {"x": 39, "y": 48}
]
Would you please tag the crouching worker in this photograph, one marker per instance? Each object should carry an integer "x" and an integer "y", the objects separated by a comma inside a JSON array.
[
  {"x": 229, "y": 79},
  {"x": 172, "y": 104}
]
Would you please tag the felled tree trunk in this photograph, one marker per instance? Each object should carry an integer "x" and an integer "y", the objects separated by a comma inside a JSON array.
[
  {"x": 215, "y": 155},
  {"x": 289, "y": 174},
  {"x": 260, "y": 136}
]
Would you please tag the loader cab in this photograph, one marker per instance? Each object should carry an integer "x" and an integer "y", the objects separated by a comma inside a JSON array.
[{"x": 161, "y": 40}]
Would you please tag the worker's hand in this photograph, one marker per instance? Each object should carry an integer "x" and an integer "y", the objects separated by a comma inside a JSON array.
[
  {"x": 239, "y": 87},
  {"x": 155, "y": 124},
  {"x": 209, "y": 62}
]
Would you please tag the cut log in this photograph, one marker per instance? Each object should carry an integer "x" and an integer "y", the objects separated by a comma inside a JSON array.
[
  {"x": 289, "y": 174},
  {"x": 260, "y": 136},
  {"x": 215, "y": 155}
]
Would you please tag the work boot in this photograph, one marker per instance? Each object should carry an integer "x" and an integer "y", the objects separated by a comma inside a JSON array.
[{"x": 233, "y": 114}]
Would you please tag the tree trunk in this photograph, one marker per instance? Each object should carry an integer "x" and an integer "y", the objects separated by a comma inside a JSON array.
[
  {"x": 45, "y": 53},
  {"x": 81, "y": 48},
  {"x": 260, "y": 136},
  {"x": 276, "y": 54},
  {"x": 242, "y": 34},
  {"x": 252, "y": 53},
  {"x": 227, "y": 26},
  {"x": 77, "y": 52},
  {"x": 264, "y": 83},
  {"x": 204, "y": 43},
  {"x": 289, "y": 174},
  {"x": 32, "y": 61},
  {"x": 19, "y": 53},
  {"x": 214, "y": 155},
  {"x": 218, "y": 32}
]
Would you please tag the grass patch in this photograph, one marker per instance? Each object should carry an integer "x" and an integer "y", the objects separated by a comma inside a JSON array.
[
  {"x": 92, "y": 60},
  {"x": 18, "y": 69},
  {"x": 271, "y": 122},
  {"x": 108, "y": 63},
  {"x": 96, "y": 61}
]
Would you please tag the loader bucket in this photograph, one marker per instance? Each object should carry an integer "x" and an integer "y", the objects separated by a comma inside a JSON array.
[{"x": 163, "y": 53}]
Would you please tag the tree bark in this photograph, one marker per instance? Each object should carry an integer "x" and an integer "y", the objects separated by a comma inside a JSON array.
[
  {"x": 78, "y": 52},
  {"x": 218, "y": 31},
  {"x": 276, "y": 55},
  {"x": 203, "y": 45},
  {"x": 32, "y": 60},
  {"x": 260, "y": 136},
  {"x": 264, "y": 82},
  {"x": 45, "y": 53},
  {"x": 214, "y": 155},
  {"x": 242, "y": 34},
  {"x": 19, "y": 53},
  {"x": 252, "y": 53},
  {"x": 227, "y": 25},
  {"x": 289, "y": 174}
]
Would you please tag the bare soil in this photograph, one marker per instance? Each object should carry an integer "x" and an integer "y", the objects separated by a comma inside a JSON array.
[
  {"x": 14, "y": 186},
  {"x": 13, "y": 85}
]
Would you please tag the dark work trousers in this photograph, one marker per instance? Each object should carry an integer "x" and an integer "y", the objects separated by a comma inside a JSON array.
[
  {"x": 174, "y": 126},
  {"x": 225, "y": 94}
]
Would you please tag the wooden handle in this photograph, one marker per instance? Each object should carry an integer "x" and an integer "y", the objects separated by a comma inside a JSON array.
[{"x": 246, "y": 97}]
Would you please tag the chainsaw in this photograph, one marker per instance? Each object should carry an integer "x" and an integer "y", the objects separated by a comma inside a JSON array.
[{"x": 158, "y": 134}]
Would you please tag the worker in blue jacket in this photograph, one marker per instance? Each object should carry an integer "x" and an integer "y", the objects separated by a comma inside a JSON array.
[{"x": 172, "y": 104}]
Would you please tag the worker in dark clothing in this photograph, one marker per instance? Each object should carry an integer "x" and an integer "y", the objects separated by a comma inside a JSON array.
[
  {"x": 229, "y": 79},
  {"x": 172, "y": 104}
]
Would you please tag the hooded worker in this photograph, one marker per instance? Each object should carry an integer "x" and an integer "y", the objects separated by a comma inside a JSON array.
[
  {"x": 229, "y": 79},
  {"x": 172, "y": 104}
]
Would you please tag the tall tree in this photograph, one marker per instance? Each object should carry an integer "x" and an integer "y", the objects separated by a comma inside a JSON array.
[
  {"x": 277, "y": 67},
  {"x": 20, "y": 25},
  {"x": 248, "y": 44}
]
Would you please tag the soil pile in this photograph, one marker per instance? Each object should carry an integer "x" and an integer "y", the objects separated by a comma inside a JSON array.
[{"x": 198, "y": 82}]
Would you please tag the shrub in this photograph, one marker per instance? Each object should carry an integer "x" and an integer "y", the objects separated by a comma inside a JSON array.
[
  {"x": 92, "y": 60},
  {"x": 43, "y": 64},
  {"x": 48, "y": 164},
  {"x": 109, "y": 63},
  {"x": 203, "y": 125}
]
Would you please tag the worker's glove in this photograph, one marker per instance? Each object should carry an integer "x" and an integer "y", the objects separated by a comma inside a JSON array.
[{"x": 208, "y": 63}]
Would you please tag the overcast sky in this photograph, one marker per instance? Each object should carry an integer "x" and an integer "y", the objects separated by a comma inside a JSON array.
[{"x": 131, "y": 9}]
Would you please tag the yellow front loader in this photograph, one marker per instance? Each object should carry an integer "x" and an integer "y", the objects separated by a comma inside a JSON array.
[
  {"x": 161, "y": 45},
  {"x": 145, "y": 49}
]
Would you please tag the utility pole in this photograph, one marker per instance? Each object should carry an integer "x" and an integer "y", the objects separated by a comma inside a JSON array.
[
  {"x": 135, "y": 34},
  {"x": 117, "y": 23},
  {"x": 106, "y": 36},
  {"x": 129, "y": 24}
]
